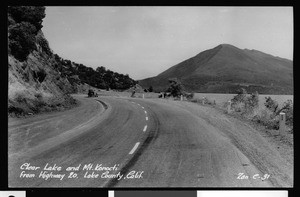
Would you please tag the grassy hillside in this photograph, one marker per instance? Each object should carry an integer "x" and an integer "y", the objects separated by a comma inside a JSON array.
[{"x": 226, "y": 68}]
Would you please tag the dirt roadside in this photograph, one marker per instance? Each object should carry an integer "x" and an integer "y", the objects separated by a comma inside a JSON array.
[
  {"x": 26, "y": 133},
  {"x": 271, "y": 154}
]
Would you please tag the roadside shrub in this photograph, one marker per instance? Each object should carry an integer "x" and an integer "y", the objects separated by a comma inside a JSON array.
[
  {"x": 37, "y": 105},
  {"x": 195, "y": 100},
  {"x": 272, "y": 124},
  {"x": 189, "y": 96},
  {"x": 240, "y": 97},
  {"x": 15, "y": 111},
  {"x": 251, "y": 102},
  {"x": 271, "y": 104},
  {"x": 245, "y": 103},
  {"x": 269, "y": 116},
  {"x": 288, "y": 109},
  {"x": 265, "y": 117},
  {"x": 208, "y": 101},
  {"x": 238, "y": 101},
  {"x": 22, "y": 40},
  {"x": 238, "y": 106}
]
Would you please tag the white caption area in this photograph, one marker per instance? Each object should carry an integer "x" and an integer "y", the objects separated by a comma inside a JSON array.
[
  {"x": 249, "y": 193},
  {"x": 111, "y": 193}
]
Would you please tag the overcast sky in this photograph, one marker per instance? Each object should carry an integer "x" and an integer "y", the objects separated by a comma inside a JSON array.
[{"x": 144, "y": 41}]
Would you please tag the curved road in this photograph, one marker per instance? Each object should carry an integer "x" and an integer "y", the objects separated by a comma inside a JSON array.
[{"x": 160, "y": 143}]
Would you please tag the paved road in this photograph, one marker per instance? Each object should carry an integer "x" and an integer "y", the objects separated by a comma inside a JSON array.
[{"x": 159, "y": 143}]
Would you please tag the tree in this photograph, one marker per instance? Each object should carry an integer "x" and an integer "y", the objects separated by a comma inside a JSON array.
[
  {"x": 101, "y": 69},
  {"x": 176, "y": 88},
  {"x": 32, "y": 14},
  {"x": 22, "y": 40},
  {"x": 101, "y": 77},
  {"x": 150, "y": 89}
]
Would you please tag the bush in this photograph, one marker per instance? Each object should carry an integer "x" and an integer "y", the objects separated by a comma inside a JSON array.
[
  {"x": 15, "y": 111},
  {"x": 39, "y": 75},
  {"x": 20, "y": 98},
  {"x": 288, "y": 109},
  {"x": 240, "y": 97},
  {"x": 189, "y": 96},
  {"x": 269, "y": 116},
  {"x": 251, "y": 102},
  {"x": 31, "y": 14},
  {"x": 266, "y": 118},
  {"x": 37, "y": 105},
  {"x": 176, "y": 88},
  {"x": 196, "y": 100},
  {"x": 22, "y": 40},
  {"x": 244, "y": 103},
  {"x": 44, "y": 44},
  {"x": 238, "y": 101},
  {"x": 271, "y": 104},
  {"x": 206, "y": 101}
]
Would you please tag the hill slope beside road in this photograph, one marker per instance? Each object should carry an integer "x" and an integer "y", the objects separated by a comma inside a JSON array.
[
  {"x": 226, "y": 68},
  {"x": 174, "y": 144},
  {"x": 39, "y": 80}
]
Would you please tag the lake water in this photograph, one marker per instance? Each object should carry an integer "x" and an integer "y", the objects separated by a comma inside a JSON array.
[{"x": 222, "y": 98}]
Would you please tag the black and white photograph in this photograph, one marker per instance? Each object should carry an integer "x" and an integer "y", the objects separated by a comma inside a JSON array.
[{"x": 151, "y": 97}]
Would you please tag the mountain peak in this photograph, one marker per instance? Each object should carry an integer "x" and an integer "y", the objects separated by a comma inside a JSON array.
[
  {"x": 224, "y": 45},
  {"x": 225, "y": 68}
]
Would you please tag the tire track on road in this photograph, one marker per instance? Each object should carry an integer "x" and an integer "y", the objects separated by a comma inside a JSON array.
[
  {"x": 63, "y": 137},
  {"x": 152, "y": 135}
]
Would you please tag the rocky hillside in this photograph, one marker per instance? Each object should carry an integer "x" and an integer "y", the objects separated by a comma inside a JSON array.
[
  {"x": 225, "y": 69},
  {"x": 40, "y": 80},
  {"x": 34, "y": 85}
]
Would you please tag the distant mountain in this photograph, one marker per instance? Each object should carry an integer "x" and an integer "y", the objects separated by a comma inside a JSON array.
[{"x": 226, "y": 68}]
